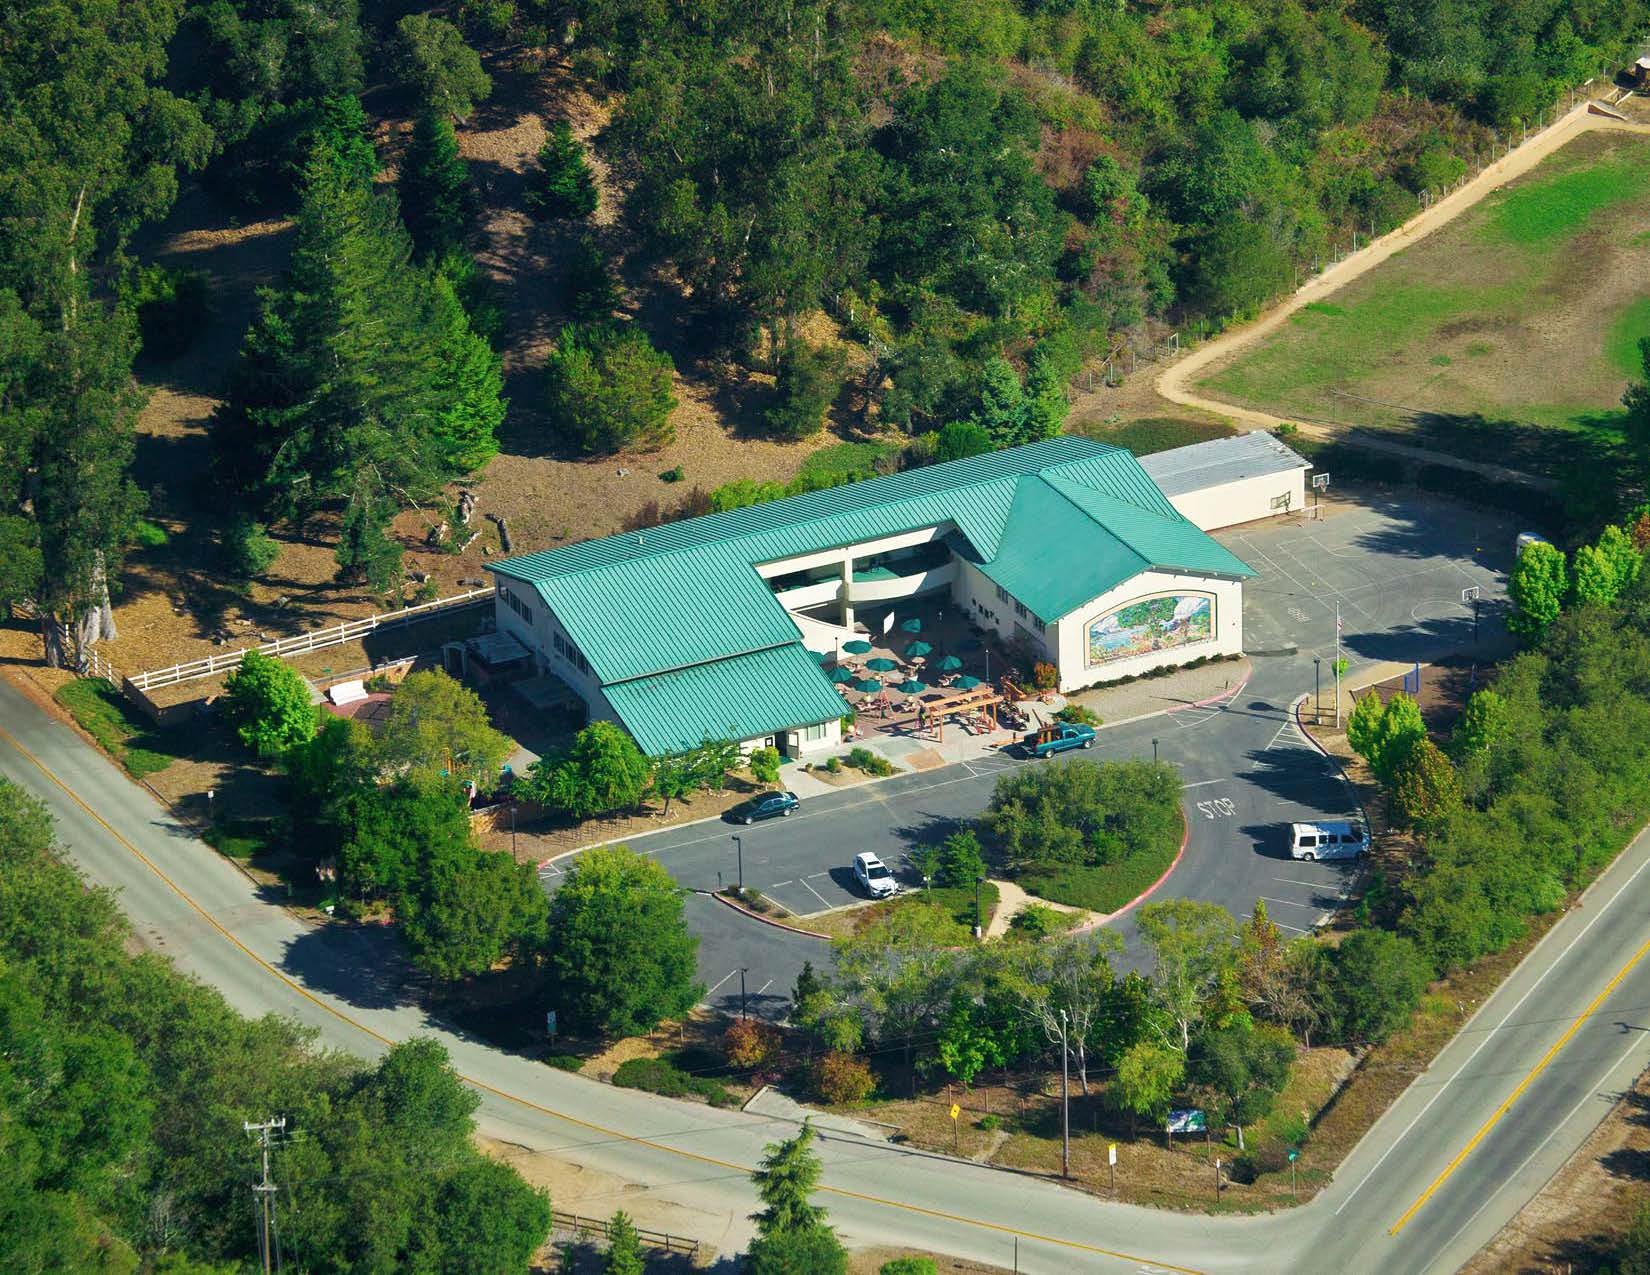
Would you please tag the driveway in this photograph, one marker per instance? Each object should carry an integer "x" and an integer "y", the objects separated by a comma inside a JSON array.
[{"x": 1397, "y": 568}]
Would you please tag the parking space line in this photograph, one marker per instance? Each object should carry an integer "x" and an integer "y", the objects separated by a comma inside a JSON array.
[
  {"x": 1291, "y": 903},
  {"x": 1282, "y": 925},
  {"x": 1316, "y": 885},
  {"x": 815, "y": 892},
  {"x": 724, "y": 978},
  {"x": 764, "y": 987}
]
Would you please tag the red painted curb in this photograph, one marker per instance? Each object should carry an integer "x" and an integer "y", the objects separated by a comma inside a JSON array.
[
  {"x": 757, "y": 916},
  {"x": 1185, "y": 836},
  {"x": 1215, "y": 699}
]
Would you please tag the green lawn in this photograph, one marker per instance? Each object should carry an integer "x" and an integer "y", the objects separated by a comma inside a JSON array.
[
  {"x": 120, "y": 730},
  {"x": 1100, "y": 889},
  {"x": 241, "y": 839},
  {"x": 844, "y": 462},
  {"x": 1621, "y": 346},
  {"x": 1545, "y": 212}
]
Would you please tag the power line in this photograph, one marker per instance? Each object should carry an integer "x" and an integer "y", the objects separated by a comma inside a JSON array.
[{"x": 263, "y": 1195}]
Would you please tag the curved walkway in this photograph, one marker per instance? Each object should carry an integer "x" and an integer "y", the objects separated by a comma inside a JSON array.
[{"x": 1177, "y": 382}]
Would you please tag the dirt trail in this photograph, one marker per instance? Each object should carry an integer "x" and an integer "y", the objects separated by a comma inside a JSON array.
[{"x": 1176, "y": 383}]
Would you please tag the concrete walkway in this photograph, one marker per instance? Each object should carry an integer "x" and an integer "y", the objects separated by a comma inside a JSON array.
[
  {"x": 770, "y": 1102},
  {"x": 1011, "y": 901}
]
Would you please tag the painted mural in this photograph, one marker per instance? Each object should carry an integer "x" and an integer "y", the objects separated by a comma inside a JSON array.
[{"x": 1151, "y": 624}]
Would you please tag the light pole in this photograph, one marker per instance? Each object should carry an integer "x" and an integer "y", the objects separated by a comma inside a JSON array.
[
  {"x": 1317, "y": 690},
  {"x": 739, "y": 847},
  {"x": 978, "y": 882},
  {"x": 1065, "y": 1101},
  {"x": 742, "y": 972},
  {"x": 512, "y": 827}
]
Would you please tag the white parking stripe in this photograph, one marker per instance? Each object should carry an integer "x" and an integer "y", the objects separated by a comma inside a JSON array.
[
  {"x": 1290, "y": 903},
  {"x": 723, "y": 979},
  {"x": 815, "y": 892}
]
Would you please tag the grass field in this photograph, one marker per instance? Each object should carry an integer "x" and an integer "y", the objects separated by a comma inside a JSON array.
[
  {"x": 1509, "y": 334},
  {"x": 119, "y": 729}
]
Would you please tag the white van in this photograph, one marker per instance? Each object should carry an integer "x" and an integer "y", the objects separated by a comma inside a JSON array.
[{"x": 1338, "y": 840}]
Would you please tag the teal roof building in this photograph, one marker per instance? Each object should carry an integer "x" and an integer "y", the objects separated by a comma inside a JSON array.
[{"x": 708, "y": 627}]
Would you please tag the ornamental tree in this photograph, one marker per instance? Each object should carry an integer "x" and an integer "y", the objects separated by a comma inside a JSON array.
[
  {"x": 269, "y": 705},
  {"x": 788, "y": 1175},
  {"x": 1537, "y": 588},
  {"x": 1425, "y": 787},
  {"x": 604, "y": 771},
  {"x": 436, "y": 725},
  {"x": 1147, "y": 1077}
]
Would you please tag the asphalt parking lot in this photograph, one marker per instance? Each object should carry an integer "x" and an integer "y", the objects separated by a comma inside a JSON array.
[{"x": 1397, "y": 569}]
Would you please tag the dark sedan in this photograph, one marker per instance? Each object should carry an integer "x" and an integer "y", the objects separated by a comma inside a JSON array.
[{"x": 766, "y": 805}]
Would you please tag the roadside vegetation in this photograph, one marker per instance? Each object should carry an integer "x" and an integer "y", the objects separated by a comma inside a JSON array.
[
  {"x": 104, "y": 714},
  {"x": 126, "y": 1085}
]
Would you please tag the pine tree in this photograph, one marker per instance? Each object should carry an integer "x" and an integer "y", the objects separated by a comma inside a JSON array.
[
  {"x": 624, "y": 1247},
  {"x": 785, "y": 1179},
  {"x": 1002, "y": 409},
  {"x": 437, "y": 201},
  {"x": 1045, "y": 399},
  {"x": 469, "y": 385},
  {"x": 562, "y": 185},
  {"x": 365, "y": 552}
]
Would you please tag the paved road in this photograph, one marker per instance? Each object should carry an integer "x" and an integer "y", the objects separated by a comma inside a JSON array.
[
  {"x": 188, "y": 902},
  {"x": 1395, "y": 568}
]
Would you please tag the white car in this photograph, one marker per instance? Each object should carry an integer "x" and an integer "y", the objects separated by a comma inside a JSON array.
[{"x": 873, "y": 875}]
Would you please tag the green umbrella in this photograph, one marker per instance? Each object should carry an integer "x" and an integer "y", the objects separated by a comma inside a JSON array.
[
  {"x": 841, "y": 676},
  {"x": 913, "y": 625},
  {"x": 882, "y": 664},
  {"x": 912, "y": 687},
  {"x": 857, "y": 647},
  {"x": 869, "y": 685},
  {"x": 822, "y": 657},
  {"x": 948, "y": 664},
  {"x": 917, "y": 650},
  {"x": 966, "y": 683}
]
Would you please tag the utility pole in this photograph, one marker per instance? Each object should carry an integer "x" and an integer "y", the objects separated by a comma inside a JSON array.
[
  {"x": 1065, "y": 1101},
  {"x": 263, "y": 1193}
]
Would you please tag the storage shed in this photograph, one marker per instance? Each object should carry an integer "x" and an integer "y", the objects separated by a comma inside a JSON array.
[{"x": 1227, "y": 481}]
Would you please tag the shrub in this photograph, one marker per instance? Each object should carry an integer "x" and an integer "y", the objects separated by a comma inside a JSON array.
[
  {"x": 1269, "y": 1158},
  {"x": 660, "y": 1076},
  {"x": 913, "y": 1265},
  {"x": 487, "y": 18},
  {"x": 1081, "y": 714},
  {"x": 248, "y": 551},
  {"x": 960, "y": 439},
  {"x": 1044, "y": 676},
  {"x": 989, "y": 1122},
  {"x": 1038, "y": 921},
  {"x": 871, "y": 763},
  {"x": 171, "y": 308},
  {"x": 750, "y": 1044},
  {"x": 834, "y": 765},
  {"x": 564, "y": 1062},
  {"x": 807, "y": 383},
  {"x": 1379, "y": 978},
  {"x": 148, "y": 535},
  {"x": 672, "y": 475},
  {"x": 764, "y": 764},
  {"x": 843, "y": 1079}
]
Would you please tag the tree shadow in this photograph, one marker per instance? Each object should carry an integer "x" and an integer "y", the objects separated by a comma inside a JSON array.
[{"x": 362, "y": 965}]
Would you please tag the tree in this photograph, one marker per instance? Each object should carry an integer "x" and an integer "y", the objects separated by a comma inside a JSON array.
[
  {"x": 366, "y": 552},
  {"x": 1245, "y": 1066},
  {"x": 1085, "y": 812},
  {"x": 619, "y": 953},
  {"x": 958, "y": 440},
  {"x": 1384, "y": 734},
  {"x": 1426, "y": 790},
  {"x": 1147, "y": 1077},
  {"x": 900, "y": 970},
  {"x": 268, "y": 703},
  {"x": 807, "y": 383},
  {"x": 1192, "y": 946},
  {"x": 1045, "y": 398},
  {"x": 248, "y": 550},
  {"x": 465, "y": 913},
  {"x": 1378, "y": 981},
  {"x": 432, "y": 61},
  {"x": 959, "y": 861},
  {"x": 604, "y": 771},
  {"x": 591, "y": 290},
  {"x": 624, "y": 1247},
  {"x": 788, "y": 1175},
  {"x": 562, "y": 184},
  {"x": 909, "y": 1266},
  {"x": 1002, "y": 410},
  {"x": 1601, "y": 571},
  {"x": 1483, "y": 722},
  {"x": 1269, "y": 972},
  {"x": 391, "y": 839},
  {"x": 764, "y": 764},
  {"x": 438, "y": 203},
  {"x": 1063, "y": 988},
  {"x": 437, "y": 726},
  {"x": 610, "y": 389},
  {"x": 811, "y": 1251},
  {"x": 1537, "y": 589}
]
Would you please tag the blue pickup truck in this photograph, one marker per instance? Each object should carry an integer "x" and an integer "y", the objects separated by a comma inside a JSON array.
[{"x": 1058, "y": 738}]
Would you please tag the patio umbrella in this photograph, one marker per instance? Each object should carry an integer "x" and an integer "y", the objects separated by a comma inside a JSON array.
[
  {"x": 822, "y": 657},
  {"x": 882, "y": 664},
  {"x": 966, "y": 683},
  {"x": 911, "y": 687},
  {"x": 869, "y": 685},
  {"x": 913, "y": 625},
  {"x": 841, "y": 676},
  {"x": 948, "y": 664},
  {"x": 859, "y": 646},
  {"x": 917, "y": 650}
]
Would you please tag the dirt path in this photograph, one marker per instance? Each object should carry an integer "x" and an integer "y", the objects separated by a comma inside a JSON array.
[
  {"x": 1176, "y": 383},
  {"x": 1011, "y": 901}
]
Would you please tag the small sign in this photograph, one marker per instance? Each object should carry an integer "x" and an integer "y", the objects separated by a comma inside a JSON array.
[
  {"x": 1187, "y": 1120},
  {"x": 1111, "y": 1153},
  {"x": 956, "y": 1111},
  {"x": 550, "y": 1021},
  {"x": 1294, "y": 1154}
]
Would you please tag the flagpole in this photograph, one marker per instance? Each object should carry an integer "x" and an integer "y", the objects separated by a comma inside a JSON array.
[{"x": 1337, "y": 664}]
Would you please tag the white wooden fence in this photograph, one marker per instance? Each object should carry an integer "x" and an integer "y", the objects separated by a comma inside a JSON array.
[{"x": 302, "y": 642}]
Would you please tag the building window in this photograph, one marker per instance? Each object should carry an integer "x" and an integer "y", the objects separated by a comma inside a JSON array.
[
  {"x": 569, "y": 652},
  {"x": 517, "y": 605},
  {"x": 1003, "y": 595},
  {"x": 1020, "y": 610},
  {"x": 1038, "y": 625},
  {"x": 813, "y": 734}
]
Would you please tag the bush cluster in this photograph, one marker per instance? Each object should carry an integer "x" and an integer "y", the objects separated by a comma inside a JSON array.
[{"x": 660, "y": 1076}]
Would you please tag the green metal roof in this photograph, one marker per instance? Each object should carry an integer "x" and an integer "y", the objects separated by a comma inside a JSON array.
[
  {"x": 746, "y": 696},
  {"x": 1055, "y": 523}
]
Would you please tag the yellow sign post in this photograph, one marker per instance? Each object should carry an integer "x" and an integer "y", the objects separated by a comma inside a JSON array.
[{"x": 956, "y": 1130}]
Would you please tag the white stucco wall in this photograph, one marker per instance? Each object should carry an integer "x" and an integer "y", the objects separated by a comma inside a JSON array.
[
  {"x": 1070, "y": 635},
  {"x": 1245, "y": 500},
  {"x": 539, "y": 638}
]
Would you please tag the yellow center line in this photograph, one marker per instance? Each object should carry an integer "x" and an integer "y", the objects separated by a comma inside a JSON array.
[
  {"x": 1495, "y": 1116},
  {"x": 619, "y": 1135}
]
